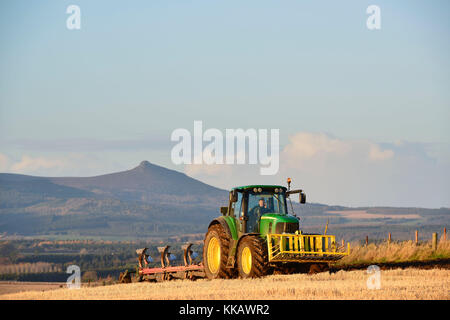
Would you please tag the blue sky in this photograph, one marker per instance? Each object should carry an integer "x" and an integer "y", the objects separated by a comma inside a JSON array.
[{"x": 103, "y": 98}]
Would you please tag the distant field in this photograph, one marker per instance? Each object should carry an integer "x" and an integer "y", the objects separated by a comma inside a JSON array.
[
  {"x": 395, "y": 284},
  {"x": 8, "y": 287},
  {"x": 363, "y": 214}
]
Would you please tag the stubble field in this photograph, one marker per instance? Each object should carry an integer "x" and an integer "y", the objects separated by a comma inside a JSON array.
[{"x": 395, "y": 284}]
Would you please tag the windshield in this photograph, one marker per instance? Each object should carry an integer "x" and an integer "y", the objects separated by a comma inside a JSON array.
[{"x": 266, "y": 202}]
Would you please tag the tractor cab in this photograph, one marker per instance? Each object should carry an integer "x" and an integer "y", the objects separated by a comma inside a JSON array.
[{"x": 262, "y": 209}]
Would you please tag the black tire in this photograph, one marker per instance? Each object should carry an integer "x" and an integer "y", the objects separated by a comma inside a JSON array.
[
  {"x": 318, "y": 267},
  {"x": 259, "y": 257},
  {"x": 217, "y": 231}
]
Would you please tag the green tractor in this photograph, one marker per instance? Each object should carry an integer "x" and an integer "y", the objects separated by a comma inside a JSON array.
[{"x": 256, "y": 236}]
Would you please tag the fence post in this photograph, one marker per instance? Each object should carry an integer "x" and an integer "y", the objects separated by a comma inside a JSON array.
[
  {"x": 445, "y": 234},
  {"x": 367, "y": 241},
  {"x": 434, "y": 241},
  {"x": 417, "y": 237}
]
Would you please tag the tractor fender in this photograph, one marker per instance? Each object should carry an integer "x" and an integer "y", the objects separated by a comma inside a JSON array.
[
  {"x": 244, "y": 236},
  {"x": 233, "y": 240},
  {"x": 223, "y": 223}
]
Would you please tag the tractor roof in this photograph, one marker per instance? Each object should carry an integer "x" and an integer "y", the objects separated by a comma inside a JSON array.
[{"x": 243, "y": 188}]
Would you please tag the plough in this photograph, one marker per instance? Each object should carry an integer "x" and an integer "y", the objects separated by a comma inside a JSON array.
[{"x": 143, "y": 272}]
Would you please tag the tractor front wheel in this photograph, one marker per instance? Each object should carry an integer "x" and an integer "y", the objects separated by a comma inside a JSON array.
[{"x": 252, "y": 257}]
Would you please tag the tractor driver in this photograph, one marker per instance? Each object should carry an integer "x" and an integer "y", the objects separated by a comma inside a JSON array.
[
  {"x": 262, "y": 206},
  {"x": 255, "y": 215}
]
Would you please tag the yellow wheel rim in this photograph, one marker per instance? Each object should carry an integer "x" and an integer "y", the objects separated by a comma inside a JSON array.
[
  {"x": 213, "y": 255},
  {"x": 246, "y": 260}
]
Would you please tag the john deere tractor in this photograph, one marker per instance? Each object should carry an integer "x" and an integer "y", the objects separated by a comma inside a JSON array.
[{"x": 256, "y": 236}]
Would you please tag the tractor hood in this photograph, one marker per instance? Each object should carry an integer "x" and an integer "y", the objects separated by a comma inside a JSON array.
[
  {"x": 279, "y": 218},
  {"x": 273, "y": 223}
]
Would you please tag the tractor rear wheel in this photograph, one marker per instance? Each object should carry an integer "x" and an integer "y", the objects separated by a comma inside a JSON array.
[
  {"x": 215, "y": 253},
  {"x": 252, "y": 257}
]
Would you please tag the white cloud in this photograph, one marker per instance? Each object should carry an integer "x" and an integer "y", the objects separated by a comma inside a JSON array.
[
  {"x": 375, "y": 153},
  {"x": 69, "y": 164},
  {"x": 29, "y": 164},
  {"x": 347, "y": 172},
  {"x": 307, "y": 145},
  {"x": 4, "y": 162}
]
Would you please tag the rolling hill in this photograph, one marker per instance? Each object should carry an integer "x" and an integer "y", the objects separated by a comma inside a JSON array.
[
  {"x": 137, "y": 201},
  {"x": 153, "y": 201},
  {"x": 147, "y": 183}
]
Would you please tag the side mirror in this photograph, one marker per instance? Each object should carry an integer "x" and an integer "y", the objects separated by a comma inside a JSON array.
[
  {"x": 302, "y": 197},
  {"x": 224, "y": 210},
  {"x": 233, "y": 196}
]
